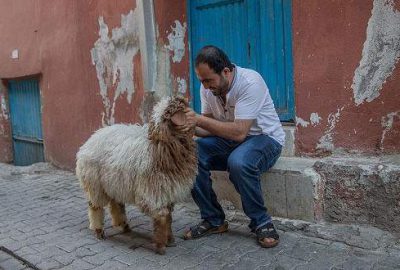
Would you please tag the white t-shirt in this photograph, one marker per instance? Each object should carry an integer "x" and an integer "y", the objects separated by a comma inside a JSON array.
[{"x": 248, "y": 98}]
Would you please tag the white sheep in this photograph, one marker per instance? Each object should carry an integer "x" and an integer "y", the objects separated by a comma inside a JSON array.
[{"x": 151, "y": 166}]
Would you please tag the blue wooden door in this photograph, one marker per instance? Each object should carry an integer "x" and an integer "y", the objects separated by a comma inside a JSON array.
[
  {"x": 255, "y": 34},
  {"x": 26, "y": 121}
]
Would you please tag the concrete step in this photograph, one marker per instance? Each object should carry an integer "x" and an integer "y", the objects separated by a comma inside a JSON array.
[
  {"x": 351, "y": 189},
  {"x": 289, "y": 188}
]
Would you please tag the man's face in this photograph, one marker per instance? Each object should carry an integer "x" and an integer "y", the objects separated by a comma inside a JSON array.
[{"x": 217, "y": 83}]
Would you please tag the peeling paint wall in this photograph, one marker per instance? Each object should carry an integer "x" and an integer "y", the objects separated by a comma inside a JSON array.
[
  {"x": 113, "y": 55},
  {"x": 301, "y": 122},
  {"x": 172, "y": 47},
  {"x": 315, "y": 119},
  {"x": 182, "y": 86},
  {"x": 326, "y": 141},
  {"x": 89, "y": 55},
  {"x": 387, "y": 125},
  {"x": 347, "y": 76},
  {"x": 381, "y": 52},
  {"x": 346, "y": 68},
  {"x": 176, "y": 41}
]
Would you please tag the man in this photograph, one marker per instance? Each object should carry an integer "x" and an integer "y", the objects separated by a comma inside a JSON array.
[{"x": 240, "y": 132}]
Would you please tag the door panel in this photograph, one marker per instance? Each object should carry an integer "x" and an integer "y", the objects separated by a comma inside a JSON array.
[
  {"x": 255, "y": 34},
  {"x": 26, "y": 121}
]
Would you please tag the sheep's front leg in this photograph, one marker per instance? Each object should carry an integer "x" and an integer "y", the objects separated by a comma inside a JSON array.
[
  {"x": 118, "y": 216},
  {"x": 170, "y": 238},
  {"x": 161, "y": 231},
  {"x": 96, "y": 220}
]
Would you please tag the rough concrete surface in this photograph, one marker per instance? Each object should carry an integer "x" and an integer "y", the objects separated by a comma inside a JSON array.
[
  {"x": 341, "y": 188},
  {"x": 44, "y": 223},
  {"x": 362, "y": 190}
]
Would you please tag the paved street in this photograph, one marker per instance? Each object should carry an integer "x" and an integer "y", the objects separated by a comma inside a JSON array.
[{"x": 43, "y": 225}]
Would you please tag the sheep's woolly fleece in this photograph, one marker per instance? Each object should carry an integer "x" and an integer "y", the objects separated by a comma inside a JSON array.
[
  {"x": 119, "y": 162},
  {"x": 159, "y": 109}
]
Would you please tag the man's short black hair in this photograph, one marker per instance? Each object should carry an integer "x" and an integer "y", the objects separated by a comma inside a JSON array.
[{"x": 214, "y": 57}]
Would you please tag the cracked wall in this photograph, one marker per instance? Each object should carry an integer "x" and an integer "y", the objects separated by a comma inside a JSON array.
[
  {"x": 112, "y": 55},
  {"x": 92, "y": 72},
  {"x": 381, "y": 52},
  {"x": 91, "y": 60},
  {"x": 347, "y": 76}
]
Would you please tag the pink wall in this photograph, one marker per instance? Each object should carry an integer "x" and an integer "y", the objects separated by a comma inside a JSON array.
[
  {"x": 328, "y": 38},
  {"x": 55, "y": 39}
]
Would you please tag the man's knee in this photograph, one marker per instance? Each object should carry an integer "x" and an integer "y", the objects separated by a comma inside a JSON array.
[{"x": 237, "y": 165}]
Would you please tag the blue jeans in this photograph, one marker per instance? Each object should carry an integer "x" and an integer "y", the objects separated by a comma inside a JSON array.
[{"x": 245, "y": 162}]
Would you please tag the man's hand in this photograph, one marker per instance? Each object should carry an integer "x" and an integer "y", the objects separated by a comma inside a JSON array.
[
  {"x": 191, "y": 120},
  {"x": 191, "y": 117}
]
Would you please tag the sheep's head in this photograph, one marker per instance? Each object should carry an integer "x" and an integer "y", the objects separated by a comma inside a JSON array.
[{"x": 167, "y": 115}]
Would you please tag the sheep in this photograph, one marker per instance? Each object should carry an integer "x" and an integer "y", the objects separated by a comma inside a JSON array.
[{"x": 151, "y": 166}]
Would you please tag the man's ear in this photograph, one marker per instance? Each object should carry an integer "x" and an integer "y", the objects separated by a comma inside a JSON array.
[
  {"x": 179, "y": 118},
  {"x": 226, "y": 70}
]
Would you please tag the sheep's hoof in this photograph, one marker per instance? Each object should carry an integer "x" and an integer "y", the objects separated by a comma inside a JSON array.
[
  {"x": 100, "y": 234},
  {"x": 160, "y": 250},
  {"x": 171, "y": 243},
  {"x": 126, "y": 229}
]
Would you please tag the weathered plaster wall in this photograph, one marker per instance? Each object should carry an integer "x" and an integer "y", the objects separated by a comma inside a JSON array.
[
  {"x": 5, "y": 133},
  {"x": 173, "y": 41},
  {"x": 347, "y": 76},
  {"x": 346, "y": 53},
  {"x": 87, "y": 53}
]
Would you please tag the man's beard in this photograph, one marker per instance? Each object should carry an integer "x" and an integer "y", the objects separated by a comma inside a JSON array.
[{"x": 222, "y": 88}]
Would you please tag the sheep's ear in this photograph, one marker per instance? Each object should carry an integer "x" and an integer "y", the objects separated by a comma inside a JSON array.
[{"x": 179, "y": 118}]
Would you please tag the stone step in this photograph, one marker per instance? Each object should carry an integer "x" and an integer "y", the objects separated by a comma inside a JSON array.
[
  {"x": 289, "y": 188},
  {"x": 352, "y": 189}
]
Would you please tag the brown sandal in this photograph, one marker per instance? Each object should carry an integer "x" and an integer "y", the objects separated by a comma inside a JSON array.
[
  {"x": 204, "y": 228},
  {"x": 267, "y": 232}
]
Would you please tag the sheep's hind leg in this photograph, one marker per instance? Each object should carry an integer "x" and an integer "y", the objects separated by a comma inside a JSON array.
[
  {"x": 161, "y": 231},
  {"x": 96, "y": 220},
  {"x": 118, "y": 216},
  {"x": 170, "y": 238}
]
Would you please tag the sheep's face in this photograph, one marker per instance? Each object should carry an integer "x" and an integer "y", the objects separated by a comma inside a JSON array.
[{"x": 167, "y": 114}]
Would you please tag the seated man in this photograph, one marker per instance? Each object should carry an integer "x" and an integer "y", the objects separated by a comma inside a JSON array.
[{"x": 240, "y": 132}]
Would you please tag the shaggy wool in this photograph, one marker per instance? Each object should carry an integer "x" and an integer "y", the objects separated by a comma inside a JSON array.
[{"x": 151, "y": 166}]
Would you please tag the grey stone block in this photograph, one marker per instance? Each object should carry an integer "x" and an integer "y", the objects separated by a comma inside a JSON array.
[
  {"x": 300, "y": 197},
  {"x": 225, "y": 189},
  {"x": 291, "y": 189},
  {"x": 79, "y": 264},
  {"x": 362, "y": 190},
  {"x": 49, "y": 264},
  {"x": 274, "y": 187},
  {"x": 289, "y": 148},
  {"x": 12, "y": 264}
]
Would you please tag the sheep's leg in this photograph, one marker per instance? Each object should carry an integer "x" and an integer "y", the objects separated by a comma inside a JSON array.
[
  {"x": 96, "y": 220},
  {"x": 118, "y": 216},
  {"x": 170, "y": 238},
  {"x": 160, "y": 231}
]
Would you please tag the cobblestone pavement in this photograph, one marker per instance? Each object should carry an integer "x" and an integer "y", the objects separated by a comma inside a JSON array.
[{"x": 43, "y": 225}]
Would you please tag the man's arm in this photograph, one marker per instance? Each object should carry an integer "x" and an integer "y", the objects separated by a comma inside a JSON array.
[
  {"x": 200, "y": 132},
  {"x": 236, "y": 130}
]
